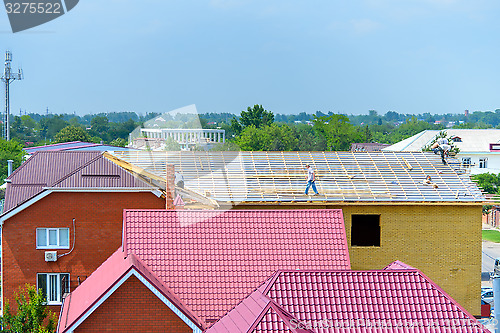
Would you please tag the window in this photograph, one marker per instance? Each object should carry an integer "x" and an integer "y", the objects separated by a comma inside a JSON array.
[
  {"x": 466, "y": 161},
  {"x": 53, "y": 286},
  {"x": 365, "y": 230},
  {"x": 483, "y": 163},
  {"x": 52, "y": 238}
]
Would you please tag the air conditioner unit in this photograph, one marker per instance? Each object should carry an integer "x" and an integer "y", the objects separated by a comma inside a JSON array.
[{"x": 50, "y": 255}]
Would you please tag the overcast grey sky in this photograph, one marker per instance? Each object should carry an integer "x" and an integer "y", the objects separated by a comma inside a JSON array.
[{"x": 410, "y": 56}]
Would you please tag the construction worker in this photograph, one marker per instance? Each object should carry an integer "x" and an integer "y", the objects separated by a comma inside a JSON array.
[
  {"x": 441, "y": 146},
  {"x": 311, "y": 178},
  {"x": 428, "y": 181},
  {"x": 179, "y": 180}
]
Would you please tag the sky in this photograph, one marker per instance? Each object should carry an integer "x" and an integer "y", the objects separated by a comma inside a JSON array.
[{"x": 408, "y": 56}]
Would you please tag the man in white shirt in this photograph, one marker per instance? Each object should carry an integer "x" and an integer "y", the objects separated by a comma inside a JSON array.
[
  {"x": 441, "y": 146},
  {"x": 311, "y": 178}
]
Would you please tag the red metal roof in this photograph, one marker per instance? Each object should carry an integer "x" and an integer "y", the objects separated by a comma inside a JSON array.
[
  {"x": 83, "y": 300},
  {"x": 350, "y": 301},
  {"x": 213, "y": 259},
  {"x": 64, "y": 169}
]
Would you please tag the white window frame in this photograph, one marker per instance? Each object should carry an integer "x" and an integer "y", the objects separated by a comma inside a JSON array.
[
  {"x": 466, "y": 161},
  {"x": 57, "y": 300},
  {"x": 48, "y": 246},
  {"x": 483, "y": 163}
]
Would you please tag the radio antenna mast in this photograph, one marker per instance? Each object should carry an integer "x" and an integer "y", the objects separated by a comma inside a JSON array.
[{"x": 8, "y": 77}]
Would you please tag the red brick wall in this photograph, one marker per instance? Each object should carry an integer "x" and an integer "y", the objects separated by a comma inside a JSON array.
[
  {"x": 133, "y": 308},
  {"x": 99, "y": 220}
]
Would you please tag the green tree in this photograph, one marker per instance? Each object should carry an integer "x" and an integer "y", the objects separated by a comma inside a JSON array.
[
  {"x": 309, "y": 139},
  {"x": 256, "y": 116},
  {"x": 273, "y": 138},
  {"x": 72, "y": 133},
  {"x": 31, "y": 314},
  {"x": 226, "y": 146},
  {"x": 119, "y": 142},
  {"x": 338, "y": 131},
  {"x": 251, "y": 139},
  {"x": 99, "y": 126},
  {"x": 10, "y": 150},
  {"x": 489, "y": 182},
  {"x": 50, "y": 126}
]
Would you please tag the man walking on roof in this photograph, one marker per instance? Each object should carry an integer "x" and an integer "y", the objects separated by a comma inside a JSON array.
[{"x": 311, "y": 178}]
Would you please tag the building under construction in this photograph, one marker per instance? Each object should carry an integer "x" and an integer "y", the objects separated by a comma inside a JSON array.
[{"x": 390, "y": 212}]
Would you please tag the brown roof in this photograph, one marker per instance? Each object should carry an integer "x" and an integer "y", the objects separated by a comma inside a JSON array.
[{"x": 65, "y": 170}]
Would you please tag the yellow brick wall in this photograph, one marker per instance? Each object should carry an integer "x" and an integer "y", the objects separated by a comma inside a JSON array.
[{"x": 443, "y": 241}]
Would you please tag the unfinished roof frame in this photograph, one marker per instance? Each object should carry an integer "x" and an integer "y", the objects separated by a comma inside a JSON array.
[{"x": 277, "y": 177}]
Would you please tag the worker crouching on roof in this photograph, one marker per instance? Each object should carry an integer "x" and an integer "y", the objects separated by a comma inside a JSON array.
[
  {"x": 311, "y": 178},
  {"x": 441, "y": 146}
]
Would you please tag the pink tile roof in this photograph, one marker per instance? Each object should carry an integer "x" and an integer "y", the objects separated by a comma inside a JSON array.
[
  {"x": 353, "y": 299},
  {"x": 64, "y": 169},
  {"x": 398, "y": 265},
  {"x": 80, "y": 302},
  {"x": 213, "y": 259}
]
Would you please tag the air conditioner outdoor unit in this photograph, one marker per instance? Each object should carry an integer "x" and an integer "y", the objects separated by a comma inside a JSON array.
[{"x": 50, "y": 255}]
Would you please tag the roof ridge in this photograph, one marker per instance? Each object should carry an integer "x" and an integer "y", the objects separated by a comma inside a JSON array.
[
  {"x": 55, "y": 144},
  {"x": 248, "y": 296},
  {"x": 444, "y": 293}
]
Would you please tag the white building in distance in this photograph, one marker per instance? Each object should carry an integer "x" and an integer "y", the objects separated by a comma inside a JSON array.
[
  {"x": 155, "y": 138},
  {"x": 479, "y": 148}
]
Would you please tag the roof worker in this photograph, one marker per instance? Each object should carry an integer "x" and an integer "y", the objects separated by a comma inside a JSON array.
[
  {"x": 179, "y": 180},
  {"x": 428, "y": 181},
  {"x": 441, "y": 146},
  {"x": 311, "y": 178}
]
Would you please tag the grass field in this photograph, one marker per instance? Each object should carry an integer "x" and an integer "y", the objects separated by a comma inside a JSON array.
[{"x": 491, "y": 235}]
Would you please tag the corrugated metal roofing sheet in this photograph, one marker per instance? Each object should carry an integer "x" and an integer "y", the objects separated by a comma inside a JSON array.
[
  {"x": 65, "y": 169},
  {"x": 247, "y": 177},
  {"x": 351, "y": 301},
  {"x": 213, "y": 259},
  {"x": 75, "y": 146}
]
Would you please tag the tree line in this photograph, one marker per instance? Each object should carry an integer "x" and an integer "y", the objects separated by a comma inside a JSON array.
[
  {"x": 113, "y": 128},
  {"x": 252, "y": 129}
]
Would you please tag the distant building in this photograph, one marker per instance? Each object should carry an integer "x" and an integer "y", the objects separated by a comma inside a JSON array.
[
  {"x": 479, "y": 148},
  {"x": 368, "y": 146},
  {"x": 155, "y": 138}
]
